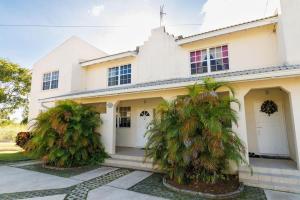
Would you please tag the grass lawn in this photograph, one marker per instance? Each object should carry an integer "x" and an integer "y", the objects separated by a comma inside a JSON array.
[
  {"x": 13, "y": 157},
  {"x": 8, "y": 132},
  {"x": 57, "y": 172}
]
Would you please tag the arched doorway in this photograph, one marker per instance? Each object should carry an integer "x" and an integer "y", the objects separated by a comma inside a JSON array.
[{"x": 269, "y": 124}]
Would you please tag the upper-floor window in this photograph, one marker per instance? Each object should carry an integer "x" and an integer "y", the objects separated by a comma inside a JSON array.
[
  {"x": 199, "y": 62},
  {"x": 125, "y": 74},
  {"x": 113, "y": 76},
  {"x": 121, "y": 74},
  {"x": 50, "y": 80},
  {"x": 219, "y": 58},
  {"x": 216, "y": 61}
]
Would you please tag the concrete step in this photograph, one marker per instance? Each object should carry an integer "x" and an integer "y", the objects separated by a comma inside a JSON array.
[
  {"x": 269, "y": 185},
  {"x": 132, "y": 164},
  {"x": 129, "y": 157},
  {"x": 271, "y": 178},
  {"x": 278, "y": 171}
]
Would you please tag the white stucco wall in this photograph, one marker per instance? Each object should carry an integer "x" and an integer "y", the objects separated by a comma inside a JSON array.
[
  {"x": 127, "y": 137},
  {"x": 289, "y": 31},
  {"x": 65, "y": 58},
  {"x": 97, "y": 75},
  {"x": 248, "y": 49},
  {"x": 160, "y": 57}
]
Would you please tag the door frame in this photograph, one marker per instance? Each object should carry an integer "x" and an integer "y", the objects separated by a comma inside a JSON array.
[
  {"x": 139, "y": 136},
  {"x": 258, "y": 102}
]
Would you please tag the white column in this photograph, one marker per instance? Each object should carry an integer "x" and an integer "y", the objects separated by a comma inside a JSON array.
[
  {"x": 108, "y": 128},
  {"x": 241, "y": 128},
  {"x": 295, "y": 109}
]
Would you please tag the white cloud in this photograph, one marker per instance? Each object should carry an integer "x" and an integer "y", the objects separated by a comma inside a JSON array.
[
  {"x": 96, "y": 10},
  {"x": 221, "y": 13}
]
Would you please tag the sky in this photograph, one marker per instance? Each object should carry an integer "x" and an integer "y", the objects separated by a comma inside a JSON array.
[{"x": 128, "y": 23}]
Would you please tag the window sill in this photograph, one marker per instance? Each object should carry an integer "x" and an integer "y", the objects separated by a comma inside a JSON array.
[
  {"x": 53, "y": 89},
  {"x": 209, "y": 73},
  {"x": 112, "y": 86}
]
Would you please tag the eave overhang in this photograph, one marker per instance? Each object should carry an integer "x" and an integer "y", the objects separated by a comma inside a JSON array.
[
  {"x": 108, "y": 58},
  {"x": 230, "y": 76}
]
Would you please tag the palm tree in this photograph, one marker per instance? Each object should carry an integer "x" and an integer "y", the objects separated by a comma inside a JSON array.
[{"x": 192, "y": 140}]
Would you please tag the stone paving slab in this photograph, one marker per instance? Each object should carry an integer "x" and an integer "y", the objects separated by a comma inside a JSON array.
[
  {"x": 276, "y": 195},
  {"x": 54, "y": 197},
  {"x": 81, "y": 190},
  {"x": 111, "y": 193},
  {"x": 129, "y": 180},
  {"x": 19, "y": 180},
  {"x": 94, "y": 173}
]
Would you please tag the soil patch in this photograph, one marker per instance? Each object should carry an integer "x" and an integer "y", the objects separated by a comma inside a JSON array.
[{"x": 221, "y": 187}]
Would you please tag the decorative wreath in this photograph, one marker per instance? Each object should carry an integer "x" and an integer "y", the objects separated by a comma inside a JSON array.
[{"x": 269, "y": 107}]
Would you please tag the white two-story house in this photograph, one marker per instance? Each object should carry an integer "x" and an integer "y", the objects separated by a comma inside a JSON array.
[{"x": 260, "y": 59}]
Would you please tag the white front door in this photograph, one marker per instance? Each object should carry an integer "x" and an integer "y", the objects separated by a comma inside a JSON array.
[
  {"x": 271, "y": 131},
  {"x": 143, "y": 120}
]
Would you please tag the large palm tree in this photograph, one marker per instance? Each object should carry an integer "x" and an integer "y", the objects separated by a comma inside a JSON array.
[{"x": 192, "y": 139}]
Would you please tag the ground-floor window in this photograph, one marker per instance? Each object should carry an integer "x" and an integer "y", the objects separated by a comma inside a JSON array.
[{"x": 124, "y": 117}]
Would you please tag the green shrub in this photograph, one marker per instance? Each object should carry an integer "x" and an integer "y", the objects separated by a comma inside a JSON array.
[
  {"x": 65, "y": 136},
  {"x": 192, "y": 139},
  {"x": 23, "y": 138}
]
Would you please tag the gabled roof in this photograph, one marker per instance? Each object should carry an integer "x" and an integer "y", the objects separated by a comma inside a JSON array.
[
  {"x": 229, "y": 29},
  {"x": 232, "y": 76},
  {"x": 108, "y": 58},
  {"x": 71, "y": 42}
]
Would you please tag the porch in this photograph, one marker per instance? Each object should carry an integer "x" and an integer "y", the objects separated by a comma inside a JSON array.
[
  {"x": 274, "y": 174},
  {"x": 130, "y": 151},
  {"x": 271, "y": 136}
]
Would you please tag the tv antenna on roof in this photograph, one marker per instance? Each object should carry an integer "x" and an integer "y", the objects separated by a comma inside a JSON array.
[{"x": 161, "y": 13}]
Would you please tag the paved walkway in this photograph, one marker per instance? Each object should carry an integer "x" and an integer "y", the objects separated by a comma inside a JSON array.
[
  {"x": 111, "y": 193},
  {"x": 276, "y": 195},
  {"x": 18, "y": 180},
  {"x": 105, "y": 183}
]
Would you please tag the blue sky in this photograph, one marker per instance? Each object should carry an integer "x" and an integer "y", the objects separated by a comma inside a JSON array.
[{"x": 25, "y": 45}]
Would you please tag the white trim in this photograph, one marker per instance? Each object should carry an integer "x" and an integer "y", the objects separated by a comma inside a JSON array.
[
  {"x": 108, "y": 58},
  {"x": 227, "y": 30}
]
